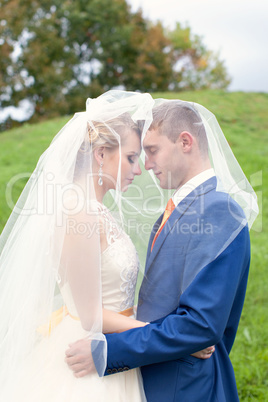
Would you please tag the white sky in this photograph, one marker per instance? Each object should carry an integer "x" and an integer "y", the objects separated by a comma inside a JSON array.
[{"x": 238, "y": 29}]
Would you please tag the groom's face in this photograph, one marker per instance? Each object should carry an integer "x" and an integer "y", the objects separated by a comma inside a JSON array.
[{"x": 165, "y": 158}]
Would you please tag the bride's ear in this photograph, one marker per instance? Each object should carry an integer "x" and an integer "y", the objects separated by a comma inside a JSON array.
[{"x": 99, "y": 155}]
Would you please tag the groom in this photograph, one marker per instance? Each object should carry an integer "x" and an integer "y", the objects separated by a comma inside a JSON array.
[{"x": 196, "y": 272}]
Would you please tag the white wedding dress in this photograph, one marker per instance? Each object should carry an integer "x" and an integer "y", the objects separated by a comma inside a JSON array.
[{"x": 46, "y": 376}]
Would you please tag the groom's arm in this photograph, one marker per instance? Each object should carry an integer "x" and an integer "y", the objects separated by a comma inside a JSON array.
[
  {"x": 200, "y": 319},
  {"x": 80, "y": 354}
]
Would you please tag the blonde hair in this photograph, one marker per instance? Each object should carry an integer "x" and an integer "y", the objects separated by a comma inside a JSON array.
[{"x": 102, "y": 134}]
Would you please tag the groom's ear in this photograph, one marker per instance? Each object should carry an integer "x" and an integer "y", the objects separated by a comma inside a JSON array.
[{"x": 186, "y": 141}]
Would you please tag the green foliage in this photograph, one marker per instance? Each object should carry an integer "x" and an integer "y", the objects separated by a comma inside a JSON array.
[
  {"x": 243, "y": 118},
  {"x": 72, "y": 48},
  {"x": 199, "y": 68}
]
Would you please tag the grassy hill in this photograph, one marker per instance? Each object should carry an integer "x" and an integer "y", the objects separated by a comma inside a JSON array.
[{"x": 244, "y": 120}]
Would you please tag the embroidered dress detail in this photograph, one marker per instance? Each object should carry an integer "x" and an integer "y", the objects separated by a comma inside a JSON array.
[
  {"x": 110, "y": 226},
  {"x": 129, "y": 278},
  {"x": 120, "y": 266}
]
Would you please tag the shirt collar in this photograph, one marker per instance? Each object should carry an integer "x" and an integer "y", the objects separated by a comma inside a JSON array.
[{"x": 192, "y": 184}]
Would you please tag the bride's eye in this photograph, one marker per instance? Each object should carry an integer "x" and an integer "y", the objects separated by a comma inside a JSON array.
[{"x": 131, "y": 159}]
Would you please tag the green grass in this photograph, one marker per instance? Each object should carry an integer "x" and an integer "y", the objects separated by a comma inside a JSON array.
[
  {"x": 243, "y": 118},
  {"x": 20, "y": 150}
]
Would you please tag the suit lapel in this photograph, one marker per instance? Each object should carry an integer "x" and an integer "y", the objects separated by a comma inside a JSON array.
[
  {"x": 153, "y": 232},
  {"x": 177, "y": 214}
]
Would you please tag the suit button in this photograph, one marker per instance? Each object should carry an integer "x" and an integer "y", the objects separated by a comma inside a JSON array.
[
  {"x": 125, "y": 368},
  {"x": 120, "y": 370},
  {"x": 140, "y": 302},
  {"x": 114, "y": 370},
  {"x": 109, "y": 371}
]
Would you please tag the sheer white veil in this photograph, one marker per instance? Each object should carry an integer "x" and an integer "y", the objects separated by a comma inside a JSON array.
[
  {"x": 45, "y": 237},
  {"x": 230, "y": 176},
  {"x": 45, "y": 243}
]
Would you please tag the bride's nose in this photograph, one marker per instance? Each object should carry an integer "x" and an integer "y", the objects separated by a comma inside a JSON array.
[{"x": 137, "y": 169}]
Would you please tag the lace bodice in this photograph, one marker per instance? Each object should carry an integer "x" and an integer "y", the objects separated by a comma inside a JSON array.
[
  {"x": 119, "y": 266},
  {"x": 119, "y": 269}
]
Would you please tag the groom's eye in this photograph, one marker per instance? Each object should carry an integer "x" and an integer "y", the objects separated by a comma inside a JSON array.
[{"x": 153, "y": 150}]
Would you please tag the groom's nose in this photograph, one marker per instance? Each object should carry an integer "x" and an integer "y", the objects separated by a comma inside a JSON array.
[{"x": 148, "y": 163}]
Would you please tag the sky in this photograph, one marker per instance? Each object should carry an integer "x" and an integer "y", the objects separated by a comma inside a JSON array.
[{"x": 238, "y": 29}]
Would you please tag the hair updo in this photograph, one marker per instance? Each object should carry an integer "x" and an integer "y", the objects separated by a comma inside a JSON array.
[{"x": 103, "y": 134}]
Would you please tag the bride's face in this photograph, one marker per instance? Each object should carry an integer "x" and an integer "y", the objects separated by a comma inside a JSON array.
[
  {"x": 130, "y": 167},
  {"x": 130, "y": 152}
]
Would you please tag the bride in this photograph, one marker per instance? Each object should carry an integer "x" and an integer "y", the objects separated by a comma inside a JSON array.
[{"x": 68, "y": 270}]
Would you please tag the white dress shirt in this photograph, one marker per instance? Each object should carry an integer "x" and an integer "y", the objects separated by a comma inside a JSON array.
[{"x": 192, "y": 184}]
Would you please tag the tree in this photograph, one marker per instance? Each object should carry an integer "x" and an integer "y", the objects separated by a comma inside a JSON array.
[
  {"x": 57, "y": 53},
  {"x": 195, "y": 66}
]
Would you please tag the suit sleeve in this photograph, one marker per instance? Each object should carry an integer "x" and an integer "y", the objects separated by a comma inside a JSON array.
[{"x": 201, "y": 319}]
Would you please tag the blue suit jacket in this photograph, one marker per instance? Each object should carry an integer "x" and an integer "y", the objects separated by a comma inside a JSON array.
[{"x": 193, "y": 291}]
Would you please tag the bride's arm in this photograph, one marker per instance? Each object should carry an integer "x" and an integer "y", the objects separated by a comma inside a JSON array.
[{"x": 116, "y": 322}]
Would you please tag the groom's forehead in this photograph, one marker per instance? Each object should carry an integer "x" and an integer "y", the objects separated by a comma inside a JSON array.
[{"x": 151, "y": 138}]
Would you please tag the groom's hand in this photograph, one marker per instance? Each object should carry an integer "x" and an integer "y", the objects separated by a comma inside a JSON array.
[{"x": 79, "y": 358}]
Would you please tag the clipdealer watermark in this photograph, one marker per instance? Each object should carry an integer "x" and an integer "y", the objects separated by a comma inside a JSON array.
[
  {"x": 48, "y": 196},
  {"x": 90, "y": 229}
]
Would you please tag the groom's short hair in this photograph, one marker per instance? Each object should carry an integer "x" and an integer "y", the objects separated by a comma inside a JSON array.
[{"x": 172, "y": 117}]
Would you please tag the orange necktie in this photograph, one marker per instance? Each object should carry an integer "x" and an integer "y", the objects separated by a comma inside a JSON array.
[{"x": 168, "y": 211}]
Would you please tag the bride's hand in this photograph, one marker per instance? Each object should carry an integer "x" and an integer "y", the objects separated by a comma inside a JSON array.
[{"x": 205, "y": 353}]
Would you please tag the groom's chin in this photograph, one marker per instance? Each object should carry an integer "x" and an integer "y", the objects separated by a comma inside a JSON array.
[{"x": 163, "y": 185}]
